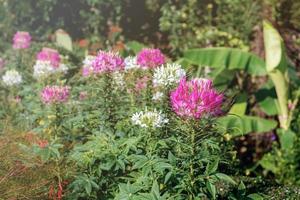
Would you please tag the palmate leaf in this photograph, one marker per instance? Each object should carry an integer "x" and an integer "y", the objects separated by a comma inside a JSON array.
[
  {"x": 226, "y": 58},
  {"x": 241, "y": 125}
]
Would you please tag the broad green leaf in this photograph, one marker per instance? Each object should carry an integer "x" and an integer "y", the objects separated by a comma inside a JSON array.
[
  {"x": 63, "y": 39},
  {"x": 272, "y": 41},
  {"x": 222, "y": 78},
  {"x": 241, "y": 125},
  {"x": 277, "y": 65},
  {"x": 240, "y": 105},
  {"x": 269, "y": 106},
  {"x": 268, "y": 162},
  {"x": 135, "y": 46},
  {"x": 226, "y": 58},
  {"x": 287, "y": 138}
]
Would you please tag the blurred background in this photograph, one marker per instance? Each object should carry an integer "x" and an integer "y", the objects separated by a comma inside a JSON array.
[{"x": 172, "y": 25}]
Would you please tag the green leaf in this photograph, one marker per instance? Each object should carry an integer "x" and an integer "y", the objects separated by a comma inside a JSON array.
[
  {"x": 242, "y": 189},
  {"x": 211, "y": 188},
  {"x": 269, "y": 106},
  {"x": 255, "y": 196},
  {"x": 286, "y": 138},
  {"x": 135, "y": 46},
  {"x": 272, "y": 41},
  {"x": 226, "y": 178},
  {"x": 212, "y": 167},
  {"x": 88, "y": 187},
  {"x": 226, "y": 58},
  {"x": 277, "y": 65},
  {"x": 63, "y": 39},
  {"x": 167, "y": 177},
  {"x": 240, "y": 125},
  {"x": 222, "y": 78},
  {"x": 268, "y": 162},
  {"x": 240, "y": 106}
]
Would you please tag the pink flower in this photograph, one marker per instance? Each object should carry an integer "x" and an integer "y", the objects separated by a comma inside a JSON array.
[
  {"x": 141, "y": 83},
  {"x": 48, "y": 54},
  {"x": 43, "y": 143},
  {"x": 150, "y": 58},
  {"x": 17, "y": 99},
  {"x": 55, "y": 94},
  {"x": 83, "y": 95},
  {"x": 21, "y": 40},
  {"x": 86, "y": 71},
  {"x": 196, "y": 98},
  {"x": 107, "y": 62}
]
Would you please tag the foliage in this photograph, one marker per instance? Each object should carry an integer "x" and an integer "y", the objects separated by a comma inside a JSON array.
[{"x": 191, "y": 24}]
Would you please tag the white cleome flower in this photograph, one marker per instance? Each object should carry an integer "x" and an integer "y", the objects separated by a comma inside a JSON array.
[
  {"x": 157, "y": 96},
  {"x": 168, "y": 75},
  {"x": 42, "y": 69},
  {"x": 148, "y": 119},
  {"x": 118, "y": 79},
  {"x": 88, "y": 60},
  {"x": 12, "y": 77},
  {"x": 130, "y": 63}
]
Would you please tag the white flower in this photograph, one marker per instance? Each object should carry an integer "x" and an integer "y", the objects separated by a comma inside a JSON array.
[
  {"x": 88, "y": 65},
  {"x": 88, "y": 60},
  {"x": 130, "y": 63},
  {"x": 168, "y": 75},
  {"x": 42, "y": 69},
  {"x": 147, "y": 119},
  {"x": 12, "y": 77},
  {"x": 118, "y": 79},
  {"x": 157, "y": 96}
]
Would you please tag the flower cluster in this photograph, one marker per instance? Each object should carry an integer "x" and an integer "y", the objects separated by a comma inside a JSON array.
[
  {"x": 43, "y": 69},
  {"x": 55, "y": 94},
  {"x": 107, "y": 62},
  {"x": 50, "y": 55},
  {"x": 148, "y": 119},
  {"x": 12, "y": 77},
  {"x": 196, "y": 98},
  {"x": 131, "y": 63},
  {"x": 150, "y": 58},
  {"x": 87, "y": 65},
  {"x": 157, "y": 96},
  {"x": 168, "y": 75},
  {"x": 21, "y": 40},
  {"x": 118, "y": 79},
  {"x": 48, "y": 62}
]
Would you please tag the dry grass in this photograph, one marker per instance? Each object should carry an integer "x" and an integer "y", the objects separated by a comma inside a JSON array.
[{"x": 18, "y": 180}]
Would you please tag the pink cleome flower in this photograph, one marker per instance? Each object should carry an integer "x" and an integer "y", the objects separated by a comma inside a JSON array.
[
  {"x": 107, "y": 62},
  {"x": 48, "y": 54},
  {"x": 150, "y": 58},
  {"x": 55, "y": 94},
  {"x": 21, "y": 40},
  {"x": 43, "y": 143},
  {"x": 196, "y": 98}
]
